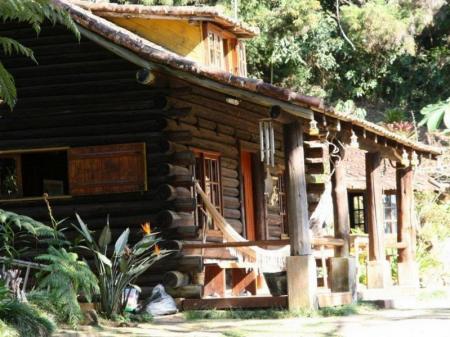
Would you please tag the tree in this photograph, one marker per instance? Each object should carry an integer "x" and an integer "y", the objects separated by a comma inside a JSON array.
[{"x": 34, "y": 13}]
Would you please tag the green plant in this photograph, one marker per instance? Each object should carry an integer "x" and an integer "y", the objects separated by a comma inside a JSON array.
[
  {"x": 65, "y": 278},
  {"x": 435, "y": 114},
  {"x": 25, "y": 319},
  {"x": 433, "y": 231},
  {"x": 33, "y": 12},
  {"x": 17, "y": 231},
  {"x": 123, "y": 267}
]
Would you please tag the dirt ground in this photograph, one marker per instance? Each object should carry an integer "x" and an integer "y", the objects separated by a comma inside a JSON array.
[{"x": 425, "y": 319}]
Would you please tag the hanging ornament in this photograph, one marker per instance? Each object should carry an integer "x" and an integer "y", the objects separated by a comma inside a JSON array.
[
  {"x": 267, "y": 141},
  {"x": 313, "y": 130},
  {"x": 354, "y": 141},
  {"x": 405, "y": 158},
  {"x": 414, "y": 159}
]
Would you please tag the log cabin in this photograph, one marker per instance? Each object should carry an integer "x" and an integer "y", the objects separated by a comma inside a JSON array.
[{"x": 150, "y": 117}]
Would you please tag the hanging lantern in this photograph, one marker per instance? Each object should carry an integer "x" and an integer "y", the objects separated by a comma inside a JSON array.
[
  {"x": 267, "y": 141},
  {"x": 354, "y": 141},
  {"x": 405, "y": 158},
  {"x": 414, "y": 159},
  {"x": 313, "y": 130}
]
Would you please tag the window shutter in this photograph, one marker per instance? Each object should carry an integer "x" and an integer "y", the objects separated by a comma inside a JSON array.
[{"x": 107, "y": 169}]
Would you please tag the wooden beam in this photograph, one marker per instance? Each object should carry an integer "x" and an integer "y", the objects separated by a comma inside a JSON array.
[
  {"x": 375, "y": 207},
  {"x": 317, "y": 241},
  {"x": 340, "y": 206},
  {"x": 214, "y": 281},
  {"x": 405, "y": 225},
  {"x": 247, "y": 302},
  {"x": 297, "y": 204},
  {"x": 243, "y": 280}
]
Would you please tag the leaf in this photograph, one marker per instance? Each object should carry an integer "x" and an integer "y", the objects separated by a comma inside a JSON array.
[
  {"x": 84, "y": 229},
  {"x": 123, "y": 265},
  {"x": 104, "y": 259},
  {"x": 121, "y": 242},
  {"x": 144, "y": 244},
  {"x": 105, "y": 238},
  {"x": 8, "y": 91}
]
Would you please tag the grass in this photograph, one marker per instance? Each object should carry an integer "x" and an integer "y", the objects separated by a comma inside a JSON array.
[
  {"x": 434, "y": 294},
  {"x": 344, "y": 310}
]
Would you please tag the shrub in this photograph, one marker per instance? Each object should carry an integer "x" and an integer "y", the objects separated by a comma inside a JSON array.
[
  {"x": 123, "y": 267},
  {"x": 25, "y": 319},
  {"x": 64, "y": 279}
]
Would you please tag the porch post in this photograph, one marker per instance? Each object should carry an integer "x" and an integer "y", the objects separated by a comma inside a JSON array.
[
  {"x": 406, "y": 233},
  {"x": 301, "y": 265},
  {"x": 342, "y": 272},
  {"x": 378, "y": 269}
]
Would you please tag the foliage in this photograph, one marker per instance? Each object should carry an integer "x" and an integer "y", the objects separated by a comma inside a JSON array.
[
  {"x": 403, "y": 128},
  {"x": 34, "y": 13},
  {"x": 349, "y": 108},
  {"x": 435, "y": 114},
  {"x": 26, "y": 319},
  {"x": 64, "y": 279},
  {"x": 17, "y": 231},
  {"x": 434, "y": 217},
  {"x": 344, "y": 310},
  {"x": 123, "y": 267}
]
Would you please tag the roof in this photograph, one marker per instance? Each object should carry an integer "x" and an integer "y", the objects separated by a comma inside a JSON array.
[
  {"x": 356, "y": 174},
  {"x": 191, "y": 13},
  {"x": 154, "y": 53}
]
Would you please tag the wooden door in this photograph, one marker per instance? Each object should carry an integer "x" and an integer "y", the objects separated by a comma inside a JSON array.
[{"x": 249, "y": 203}]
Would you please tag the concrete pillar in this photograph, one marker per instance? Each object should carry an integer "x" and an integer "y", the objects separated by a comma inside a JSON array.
[{"x": 302, "y": 282}]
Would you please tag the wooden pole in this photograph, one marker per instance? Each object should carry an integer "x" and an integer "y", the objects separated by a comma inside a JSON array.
[
  {"x": 340, "y": 207},
  {"x": 375, "y": 207},
  {"x": 261, "y": 225},
  {"x": 297, "y": 205},
  {"x": 405, "y": 230}
]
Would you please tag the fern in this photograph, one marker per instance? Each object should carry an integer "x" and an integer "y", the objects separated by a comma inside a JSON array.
[
  {"x": 65, "y": 278},
  {"x": 34, "y": 13}
]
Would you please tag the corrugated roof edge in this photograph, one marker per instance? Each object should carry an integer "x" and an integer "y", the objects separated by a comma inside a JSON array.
[
  {"x": 207, "y": 13},
  {"x": 158, "y": 54}
]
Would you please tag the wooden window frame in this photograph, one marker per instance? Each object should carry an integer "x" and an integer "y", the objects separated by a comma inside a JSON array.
[
  {"x": 392, "y": 208},
  {"x": 17, "y": 155},
  {"x": 353, "y": 210},
  {"x": 228, "y": 47},
  {"x": 211, "y": 155}
]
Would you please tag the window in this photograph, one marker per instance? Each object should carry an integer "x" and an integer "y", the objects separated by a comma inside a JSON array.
[
  {"x": 390, "y": 213},
  {"x": 207, "y": 173},
  {"x": 357, "y": 211},
  {"x": 216, "y": 49},
  {"x": 242, "y": 59},
  {"x": 77, "y": 171}
]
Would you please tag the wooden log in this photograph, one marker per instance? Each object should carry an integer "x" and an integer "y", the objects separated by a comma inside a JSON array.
[
  {"x": 229, "y": 173},
  {"x": 171, "y": 245},
  {"x": 297, "y": 205},
  {"x": 375, "y": 207},
  {"x": 171, "y": 219},
  {"x": 167, "y": 169},
  {"x": 236, "y": 224},
  {"x": 189, "y": 291},
  {"x": 224, "y": 149},
  {"x": 168, "y": 192},
  {"x": 229, "y": 182},
  {"x": 230, "y": 192},
  {"x": 182, "y": 158},
  {"x": 175, "y": 279},
  {"x": 340, "y": 207},
  {"x": 231, "y": 213},
  {"x": 406, "y": 231},
  {"x": 229, "y": 163},
  {"x": 231, "y": 202},
  {"x": 176, "y": 180},
  {"x": 187, "y": 263}
]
